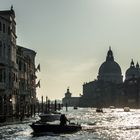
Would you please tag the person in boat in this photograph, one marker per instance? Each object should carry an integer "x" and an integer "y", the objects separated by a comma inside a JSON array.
[{"x": 63, "y": 119}]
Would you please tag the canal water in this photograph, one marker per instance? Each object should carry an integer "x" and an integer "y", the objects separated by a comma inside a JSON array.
[{"x": 113, "y": 124}]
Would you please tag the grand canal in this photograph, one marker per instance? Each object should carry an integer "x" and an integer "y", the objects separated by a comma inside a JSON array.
[{"x": 113, "y": 124}]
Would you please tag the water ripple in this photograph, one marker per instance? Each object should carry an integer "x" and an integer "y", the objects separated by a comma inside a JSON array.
[{"x": 111, "y": 125}]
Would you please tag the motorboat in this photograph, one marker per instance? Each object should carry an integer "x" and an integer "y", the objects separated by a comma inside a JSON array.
[
  {"x": 112, "y": 107},
  {"x": 75, "y": 107},
  {"x": 99, "y": 110},
  {"x": 126, "y": 109},
  {"x": 43, "y": 128}
]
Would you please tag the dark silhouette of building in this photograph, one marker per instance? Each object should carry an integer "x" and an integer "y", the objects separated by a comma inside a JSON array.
[
  {"x": 109, "y": 89},
  {"x": 68, "y": 100},
  {"x": 131, "y": 86}
]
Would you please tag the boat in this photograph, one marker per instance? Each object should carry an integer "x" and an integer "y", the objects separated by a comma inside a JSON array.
[
  {"x": 99, "y": 110},
  {"x": 75, "y": 107},
  {"x": 112, "y": 107},
  {"x": 126, "y": 109},
  {"x": 43, "y": 128}
]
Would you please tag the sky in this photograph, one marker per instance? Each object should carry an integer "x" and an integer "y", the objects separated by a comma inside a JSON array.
[{"x": 72, "y": 37}]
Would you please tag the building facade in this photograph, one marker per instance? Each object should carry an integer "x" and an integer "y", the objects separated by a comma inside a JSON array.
[
  {"x": 68, "y": 100},
  {"x": 26, "y": 99},
  {"x": 9, "y": 85},
  {"x": 17, "y": 69}
]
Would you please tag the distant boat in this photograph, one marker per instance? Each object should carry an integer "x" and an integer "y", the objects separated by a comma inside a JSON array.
[
  {"x": 42, "y": 128},
  {"x": 112, "y": 107},
  {"x": 99, "y": 110},
  {"x": 126, "y": 109},
  {"x": 75, "y": 107}
]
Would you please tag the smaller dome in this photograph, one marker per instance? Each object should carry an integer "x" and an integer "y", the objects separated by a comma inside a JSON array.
[{"x": 132, "y": 71}]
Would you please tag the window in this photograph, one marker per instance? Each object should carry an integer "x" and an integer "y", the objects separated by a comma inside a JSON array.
[
  {"x": 8, "y": 30},
  {"x": 3, "y": 28},
  {"x": 4, "y": 75},
  {"x": 4, "y": 49},
  {"x": 0, "y": 48},
  {"x": 0, "y": 75},
  {"x": 24, "y": 67},
  {"x": 0, "y": 27},
  {"x": 20, "y": 65},
  {"x": 8, "y": 52}
]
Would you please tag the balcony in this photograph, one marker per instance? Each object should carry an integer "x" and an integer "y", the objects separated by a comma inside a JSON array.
[{"x": 2, "y": 86}]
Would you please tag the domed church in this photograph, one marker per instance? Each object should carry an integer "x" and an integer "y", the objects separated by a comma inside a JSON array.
[
  {"x": 103, "y": 92},
  {"x": 131, "y": 86},
  {"x": 110, "y": 70},
  {"x": 109, "y": 89}
]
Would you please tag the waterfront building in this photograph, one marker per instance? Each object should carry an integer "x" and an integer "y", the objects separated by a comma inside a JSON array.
[
  {"x": 105, "y": 90},
  {"x": 9, "y": 85},
  {"x": 109, "y": 89},
  {"x": 27, "y": 80},
  {"x": 68, "y": 100},
  {"x": 131, "y": 86},
  {"x": 17, "y": 71},
  {"x": 133, "y": 71}
]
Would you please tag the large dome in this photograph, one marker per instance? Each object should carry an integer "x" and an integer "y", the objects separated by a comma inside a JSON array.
[
  {"x": 110, "y": 70},
  {"x": 109, "y": 67}
]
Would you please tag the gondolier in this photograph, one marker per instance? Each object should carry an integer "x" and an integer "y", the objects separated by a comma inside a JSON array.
[{"x": 63, "y": 120}]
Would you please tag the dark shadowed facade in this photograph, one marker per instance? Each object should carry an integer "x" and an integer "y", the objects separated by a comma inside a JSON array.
[
  {"x": 109, "y": 88},
  {"x": 17, "y": 72}
]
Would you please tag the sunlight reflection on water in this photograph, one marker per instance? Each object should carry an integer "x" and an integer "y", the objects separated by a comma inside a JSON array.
[{"x": 114, "y": 124}]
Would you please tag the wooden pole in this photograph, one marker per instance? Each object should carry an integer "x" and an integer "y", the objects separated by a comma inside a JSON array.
[
  {"x": 66, "y": 107},
  {"x": 46, "y": 104},
  {"x": 55, "y": 105},
  {"x": 42, "y": 105}
]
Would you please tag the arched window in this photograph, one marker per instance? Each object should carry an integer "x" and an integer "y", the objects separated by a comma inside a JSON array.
[
  {"x": 20, "y": 65},
  {"x": 8, "y": 30},
  {"x": 3, "y": 28},
  {"x": 0, "y": 75},
  {"x": 0, "y": 48},
  {"x": 4, "y": 49},
  {"x": 0, "y": 26}
]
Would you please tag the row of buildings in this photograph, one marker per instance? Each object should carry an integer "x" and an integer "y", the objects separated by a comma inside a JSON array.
[
  {"x": 17, "y": 71},
  {"x": 109, "y": 89}
]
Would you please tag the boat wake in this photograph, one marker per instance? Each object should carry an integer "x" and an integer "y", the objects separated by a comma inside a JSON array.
[{"x": 95, "y": 128}]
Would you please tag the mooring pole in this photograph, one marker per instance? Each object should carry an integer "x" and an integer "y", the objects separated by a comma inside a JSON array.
[
  {"x": 66, "y": 107},
  {"x": 42, "y": 105}
]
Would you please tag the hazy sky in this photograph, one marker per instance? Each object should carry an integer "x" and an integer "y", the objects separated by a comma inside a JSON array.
[{"x": 72, "y": 37}]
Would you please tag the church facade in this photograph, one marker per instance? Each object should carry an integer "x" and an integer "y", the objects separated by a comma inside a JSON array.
[{"x": 109, "y": 89}]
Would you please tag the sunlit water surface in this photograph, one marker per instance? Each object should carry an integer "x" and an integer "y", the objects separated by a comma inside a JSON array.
[{"x": 113, "y": 124}]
